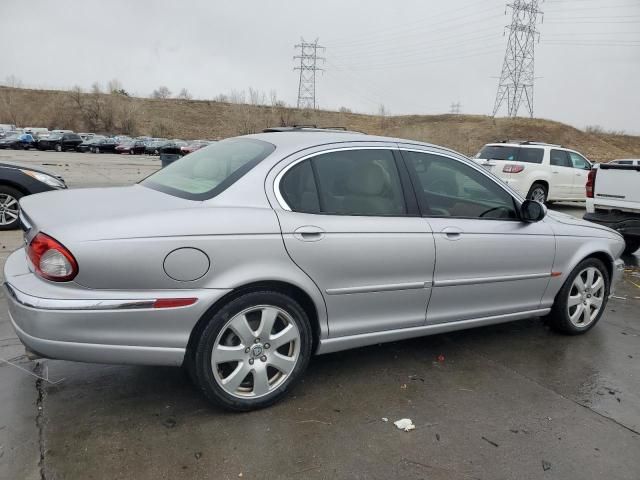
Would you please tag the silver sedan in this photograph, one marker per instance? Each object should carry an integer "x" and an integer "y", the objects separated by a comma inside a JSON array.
[{"x": 242, "y": 260}]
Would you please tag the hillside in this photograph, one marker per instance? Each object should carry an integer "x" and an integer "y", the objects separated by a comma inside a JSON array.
[{"x": 190, "y": 119}]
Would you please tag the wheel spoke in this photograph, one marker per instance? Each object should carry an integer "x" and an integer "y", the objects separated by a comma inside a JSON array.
[
  {"x": 579, "y": 283},
  {"x": 260, "y": 380},
  {"x": 575, "y": 318},
  {"x": 590, "y": 274},
  {"x": 11, "y": 214},
  {"x": 235, "y": 378},
  {"x": 286, "y": 335},
  {"x": 598, "y": 285},
  {"x": 241, "y": 328},
  {"x": 574, "y": 300},
  {"x": 223, "y": 354},
  {"x": 10, "y": 201},
  {"x": 586, "y": 314},
  {"x": 267, "y": 319},
  {"x": 596, "y": 301},
  {"x": 281, "y": 362}
]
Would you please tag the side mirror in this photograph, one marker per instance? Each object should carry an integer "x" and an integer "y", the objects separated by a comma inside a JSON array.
[{"x": 532, "y": 211}]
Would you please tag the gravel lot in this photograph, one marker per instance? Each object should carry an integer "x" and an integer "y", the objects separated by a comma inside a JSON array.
[{"x": 508, "y": 401}]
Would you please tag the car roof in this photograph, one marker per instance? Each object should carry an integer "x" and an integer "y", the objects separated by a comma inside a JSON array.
[{"x": 302, "y": 139}]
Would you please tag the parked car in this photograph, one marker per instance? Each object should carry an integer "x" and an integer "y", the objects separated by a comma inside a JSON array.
[
  {"x": 136, "y": 147},
  {"x": 89, "y": 143},
  {"x": 59, "y": 142},
  {"x": 193, "y": 146},
  {"x": 613, "y": 200},
  {"x": 153, "y": 147},
  {"x": 262, "y": 250},
  {"x": 538, "y": 171},
  {"x": 20, "y": 141},
  {"x": 625, "y": 161},
  {"x": 18, "y": 180},
  {"x": 104, "y": 145}
]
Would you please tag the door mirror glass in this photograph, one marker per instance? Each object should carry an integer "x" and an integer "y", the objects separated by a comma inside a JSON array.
[{"x": 532, "y": 211}]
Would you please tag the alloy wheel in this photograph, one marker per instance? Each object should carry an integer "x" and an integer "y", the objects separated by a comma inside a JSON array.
[
  {"x": 586, "y": 297},
  {"x": 9, "y": 209},
  {"x": 538, "y": 194},
  {"x": 256, "y": 351}
]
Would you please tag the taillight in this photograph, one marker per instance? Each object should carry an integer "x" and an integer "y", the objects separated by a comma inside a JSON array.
[
  {"x": 513, "y": 168},
  {"x": 591, "y": 182},
  {"x": 51, "y": 259}
]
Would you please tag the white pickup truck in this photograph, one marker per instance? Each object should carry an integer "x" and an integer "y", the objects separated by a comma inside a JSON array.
[{"x": 613, "y": 200}]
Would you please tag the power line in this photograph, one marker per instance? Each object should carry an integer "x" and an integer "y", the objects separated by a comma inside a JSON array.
[
  {"x": 516, "y": 79},
  {"x": 308, "y": 67}
]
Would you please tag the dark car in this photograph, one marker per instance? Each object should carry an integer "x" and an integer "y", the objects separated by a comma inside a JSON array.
[
  {"x": 59, "y": 142},
  {"x": 132, "y": 148},
  {"x": 193, "y": 146},
  {"x": 104, "y": 145},
  {"x": 23, "y": 141},
  {"x": 89, "y": 143},
  {"x": 154, "y": 146},
  {"x": 18, "y": 180}
]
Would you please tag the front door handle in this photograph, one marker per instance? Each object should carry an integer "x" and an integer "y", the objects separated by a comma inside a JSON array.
[
  {"x": 309, "y": 233},
  {"x": 452, "y": 233}
]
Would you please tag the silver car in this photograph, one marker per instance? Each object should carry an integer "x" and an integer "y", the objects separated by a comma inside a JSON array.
[{"x": 243, "y": 259}]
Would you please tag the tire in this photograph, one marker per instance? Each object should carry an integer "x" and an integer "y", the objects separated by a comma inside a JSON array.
[
  {"x": 58, "y": 148},
  {"x": 255, "y": 356},
  {"x": 538, "y": 192},
  {"x": 572, "y": 319},
  {"x": 9, "y": 210},
  {"x": 131, "y": 152},
  {"x": 96, "y": 150},
  {"x": 631, "y": 245}
]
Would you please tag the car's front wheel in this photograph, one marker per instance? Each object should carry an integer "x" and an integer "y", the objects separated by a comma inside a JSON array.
[
  {"x": 582, "y": 299},
  {"x": 538, "y": 192},
  {"x": 58, "y": 148},
  {"x": 252, "y": 351},
  {"x": 9, "y": 209}
]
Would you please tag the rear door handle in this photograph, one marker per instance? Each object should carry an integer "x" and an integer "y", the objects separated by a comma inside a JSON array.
[
  {"x": 309, "y": 233},
  {"x": 452, "y": 233}
]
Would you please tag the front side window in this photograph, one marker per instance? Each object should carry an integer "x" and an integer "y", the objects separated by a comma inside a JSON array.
[
  {"x": 559, "y": 158},
  {"x": 449, "y": 188},
  {"x": 208, "y": 171},
  {"x": 350, "y": 182},
  {"x": 578, "y": 161}
]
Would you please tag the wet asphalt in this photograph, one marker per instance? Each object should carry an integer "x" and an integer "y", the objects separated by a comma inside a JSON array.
[{"x": 512, "y": 401}]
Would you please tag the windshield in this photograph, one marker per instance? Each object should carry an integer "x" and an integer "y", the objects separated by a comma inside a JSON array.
[{"x": 208, "y": 171}]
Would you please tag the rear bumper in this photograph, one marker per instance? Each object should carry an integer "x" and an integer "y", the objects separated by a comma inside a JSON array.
[
  {"x": 625, "y": 223},
  {"x": 68, "y": 322}
]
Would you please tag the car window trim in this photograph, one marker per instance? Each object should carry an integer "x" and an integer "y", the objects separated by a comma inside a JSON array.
[
  {"x": 392, "y": 148},
  {"x": 517, "y": 202}
]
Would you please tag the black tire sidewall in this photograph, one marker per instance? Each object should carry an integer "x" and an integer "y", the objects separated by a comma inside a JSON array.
[
  {"x": 17, "y": 195},
  {"x": 559, "y": 317},
  {"x": 204, "y": 347}
]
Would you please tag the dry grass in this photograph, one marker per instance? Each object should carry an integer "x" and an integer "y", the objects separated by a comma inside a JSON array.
[{"x": 210, "y": 119}]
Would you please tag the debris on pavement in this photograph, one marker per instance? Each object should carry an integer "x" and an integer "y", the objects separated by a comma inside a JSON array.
[
  {"x": 490, "y": 442},
  {"x": 546, "y": 465},
  {"x": 405, "y": 424},
  {"x": 385, "y": 419}
]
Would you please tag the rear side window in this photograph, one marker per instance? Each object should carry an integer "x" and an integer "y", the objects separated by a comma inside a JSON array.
[
  {"x": 531, "y": 155},
  {"x": 210, "y": 170},
  {"x": 559, "y": 158},
  {"x": 578, "y": 161},
  {"x": 350, "y": 182}
]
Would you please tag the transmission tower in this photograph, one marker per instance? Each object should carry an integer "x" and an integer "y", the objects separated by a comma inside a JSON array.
[
  {"x": 455, "y": 108},
  {"x": 516, "y": 79},
  {"x": 308, "y": 67}
]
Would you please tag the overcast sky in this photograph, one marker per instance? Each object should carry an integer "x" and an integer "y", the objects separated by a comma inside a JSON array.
[{"x": 413, "y": 56}]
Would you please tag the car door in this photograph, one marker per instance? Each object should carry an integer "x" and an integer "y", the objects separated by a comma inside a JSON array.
[
  {"x": 488, "y": 262},
  {"x": 562, "y": 174},
  {"x": 348, "y": 222},
  {"x": 581, "y": 167}
]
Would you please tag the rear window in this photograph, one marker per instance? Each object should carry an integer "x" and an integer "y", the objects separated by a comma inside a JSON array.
[
  {"x": 512, "y": 154},
  {"x": 210, "y": 170}
]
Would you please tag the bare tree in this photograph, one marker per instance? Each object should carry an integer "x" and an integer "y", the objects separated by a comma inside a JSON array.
[
  {"x": 383, "y": 113},
  {"x": 237, "y": 96},
  {"x": 184, "y": 94},
  {"x": 13, "y": 81},
  {"x": 162, "y": 92}
]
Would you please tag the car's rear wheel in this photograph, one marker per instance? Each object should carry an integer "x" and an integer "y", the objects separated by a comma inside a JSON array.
[
  {"x": 9, "y": 209},
  {"x": 582, "y": 299},
  {"x": 252, "y": 351},
  {"x": 538, "y": 192},
  {"x": 58, "y": 148},
  {"x": 631, "y": 245},
  {"x": 97, "y": 150}
]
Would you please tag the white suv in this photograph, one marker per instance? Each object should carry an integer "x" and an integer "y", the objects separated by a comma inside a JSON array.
[{"x": 538, "y": 171}]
